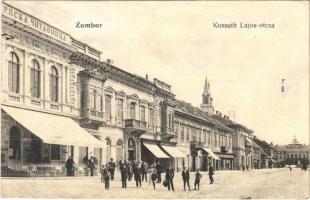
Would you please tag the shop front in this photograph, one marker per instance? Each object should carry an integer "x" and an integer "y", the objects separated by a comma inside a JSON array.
[{"x": 38, "y": 144}]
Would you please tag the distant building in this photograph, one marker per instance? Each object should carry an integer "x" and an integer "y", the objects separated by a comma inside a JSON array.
[
  {"x": 292, "y": 154},
  {"x": 268, "y": 155}
]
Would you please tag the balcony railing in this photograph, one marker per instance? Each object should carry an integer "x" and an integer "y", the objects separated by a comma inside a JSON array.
[{"x": 135, "y": 124}]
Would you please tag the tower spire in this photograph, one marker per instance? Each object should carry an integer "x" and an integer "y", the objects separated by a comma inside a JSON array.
[
  {"x": 207, "y": 104},
  {"x": 206, "y": 88}
]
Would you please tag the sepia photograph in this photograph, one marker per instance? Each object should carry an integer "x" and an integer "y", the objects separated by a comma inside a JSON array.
[{"x": 155, "y": 99}]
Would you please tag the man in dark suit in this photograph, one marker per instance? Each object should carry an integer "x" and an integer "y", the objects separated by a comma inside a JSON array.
[
  {"x": 124, "y": 174},
  {"x": 112, "y": 168},
  {"x": 211, "y": 173},
  {"x": 169, "y": 177},
  {"x": 185, "y": 176},
  {"x": 159, "y": 170}
]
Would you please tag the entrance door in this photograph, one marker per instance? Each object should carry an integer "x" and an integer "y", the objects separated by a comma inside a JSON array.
[
  {"x": 131, "y": 149},
  {"x": 194, "y": 164},
  {"x": 36, "y": 146}
]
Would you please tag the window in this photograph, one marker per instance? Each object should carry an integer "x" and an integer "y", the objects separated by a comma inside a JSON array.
[
  {"x": 151, "y": 120},
  {"x": 93, "y": 97},
  {"x": 142, "y": 111},
  {"x": 204, "y": 137},
  {"x": 209, "y": 139},
  {"x": 15, "y": 144},
  {"x": 54, "y": 84},
  {"x": 199, "y": 136},
  {"x": 13, "y": 73},
  {"x": 108, "y": 99},
  {"x": 119, "y": 150},
  {"x": 100, "y": 103},
  {"x": 132, "y": 111},
  {"x": 176, "y": 133},
  {"x": 35, "y": 79},
  {"x": 182, "y": 133},
  {"x": 170, "y": 120},
  {"x": 194, "y": 135},
  {"x": 55, "y": 152},
  {"x": 187, "y": 134},
  {"x": 119, "y": 111}
]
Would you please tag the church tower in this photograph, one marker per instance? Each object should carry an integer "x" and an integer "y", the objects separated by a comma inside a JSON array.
[{"x": 207, "y": 101}]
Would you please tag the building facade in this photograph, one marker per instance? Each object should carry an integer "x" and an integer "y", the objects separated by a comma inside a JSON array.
[
  {"x": 292, "y": 154},
  {"x": 60, "y": 99}
]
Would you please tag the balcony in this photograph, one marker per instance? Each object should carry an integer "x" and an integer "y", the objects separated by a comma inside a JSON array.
[
  {"x": 91, "y": 119},
  {"x": 135, "y": 125}
]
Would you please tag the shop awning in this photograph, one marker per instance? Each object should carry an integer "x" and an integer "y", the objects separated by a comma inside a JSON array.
[
  {"x": 173, "y": 151},
  {"x": 227, "y": 156},
  {"x": 53, "y": 129},
  {"x": 155, "y": 150},
  {"x": 248, "y": 141},
  {"x": 211, "y": 154}
]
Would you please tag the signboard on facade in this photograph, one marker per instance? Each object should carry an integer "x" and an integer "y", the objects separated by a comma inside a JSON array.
[{"x": 35, "y": 23}]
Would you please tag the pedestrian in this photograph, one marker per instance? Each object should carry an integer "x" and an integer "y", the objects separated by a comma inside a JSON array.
[
  {"x": 197, "y": 179},
  {"x": 211, "y": 173},
  {"x": 185, "y": 176},
  {"x": 290, "y": 168},
  {"x": 130, "y": 170},
  {"x": 106, "y": 178},
  {"x": 146, "y": 169},
  {"x": 102, "y": 174},
  {"x": 153, "y": 175},
  {"x": 112, "y": 168},
  {"x": 124, "y": 174},
  {"x": 70, "y": 166},
  {"x": 159, "y": 169},
  {"x": 137, "y": 174},
  {"x": 91, "y": 165},
  {"x": 85, "y": 162},
  {"x": 169, "y": 177}
]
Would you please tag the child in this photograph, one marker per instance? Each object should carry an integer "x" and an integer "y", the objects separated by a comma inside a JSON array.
[
  {"x": 106, "y": 177},
  {"x": 197, "y": 179}
]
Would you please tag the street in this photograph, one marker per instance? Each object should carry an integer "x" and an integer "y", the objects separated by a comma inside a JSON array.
[{"x": 264, "y": 183}]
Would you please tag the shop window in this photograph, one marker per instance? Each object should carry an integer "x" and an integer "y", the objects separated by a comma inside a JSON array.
[
  {"x": 108, "y": 149},
  {"x": 55, "y": 152},
  {"x": 35, "y": 79},
  {"x": 15, "y": 144},
  {"x": 13, "y": 69}
]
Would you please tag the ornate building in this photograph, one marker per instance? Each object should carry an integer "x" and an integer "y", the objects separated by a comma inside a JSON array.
[{"x": 292, "y": 154}]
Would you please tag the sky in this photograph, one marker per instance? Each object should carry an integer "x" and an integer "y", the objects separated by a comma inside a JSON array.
[{"x": 177, "y": 43}]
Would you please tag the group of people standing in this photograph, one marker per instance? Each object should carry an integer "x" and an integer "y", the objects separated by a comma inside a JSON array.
[{"x": 142, "y": 171}]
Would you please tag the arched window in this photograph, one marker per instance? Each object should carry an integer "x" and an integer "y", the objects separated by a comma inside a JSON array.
[
  {"x": 35, "y": 79},
  {"x": 15, "y": 143},
  {"x": 142, "y": 111},
  {"x": 13, "y": 73},
  {"x": 132, "y": 111},
  {"x": 54, "y": 84},
  {"x": 108, "y": 149},
  {"x": 131, "y": 149}
]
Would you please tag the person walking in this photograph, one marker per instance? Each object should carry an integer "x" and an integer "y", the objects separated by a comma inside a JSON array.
[
  {"x": 185, "y": 176},
  {"x": 124, "y": 174},
  {"x": 197, "y": 180},
  {"x": 153, "y": 173},
  {"x": 86, "y": 165},
  {"x": 105, "y": 176},
  {"x": 112, "y": 168},
  {"x": 130, "y": 170},
  {"x": 70, "y": 166},
  {"x": 146, "y": 169},
  {"x": 211, "y": 173},
  {"x": 169, "y": 177},
  {"x": 91, "y": 165},
  {"x": 159, "y": 169},
  {"x": 137, "y": 174}
]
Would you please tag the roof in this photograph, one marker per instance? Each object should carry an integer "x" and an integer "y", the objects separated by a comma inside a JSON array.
[
  {"x": 262, "y": 143},
  {"x": 255, "y": 145},
  {"x": 187, "y": 108},
  {"x": 232, "y": 124}
]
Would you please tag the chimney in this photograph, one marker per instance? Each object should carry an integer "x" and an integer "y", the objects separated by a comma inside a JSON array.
[
  {"x": 146, "y": 77},
  {"x": 220, "y": 114},
  {"x": 224, "y": 116},
  {"x": 217, "y": 112},
  {"x": 227, "y": 117}
]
